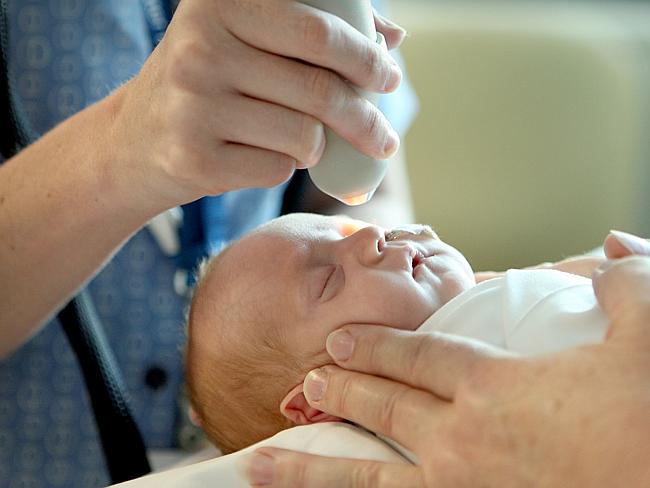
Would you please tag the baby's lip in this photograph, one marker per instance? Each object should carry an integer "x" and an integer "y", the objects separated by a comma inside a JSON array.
[
  {"x": 419, "y": 237},
  {"x": 417, "y": 258}
]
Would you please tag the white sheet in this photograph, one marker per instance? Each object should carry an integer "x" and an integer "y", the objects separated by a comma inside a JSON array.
[{"x": 328, "y": 439}]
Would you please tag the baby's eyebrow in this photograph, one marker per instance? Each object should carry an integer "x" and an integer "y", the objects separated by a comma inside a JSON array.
[{"x": 301, "y": 259}]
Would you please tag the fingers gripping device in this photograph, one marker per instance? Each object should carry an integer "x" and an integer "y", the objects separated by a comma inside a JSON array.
[{"x": 344, "y": 172}]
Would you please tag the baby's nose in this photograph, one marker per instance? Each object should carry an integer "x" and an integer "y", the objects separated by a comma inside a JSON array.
[{"x": 366, "y": 244}]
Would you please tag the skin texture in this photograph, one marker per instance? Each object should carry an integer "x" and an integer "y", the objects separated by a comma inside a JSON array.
[
  {"x": 220, "y": 126},
  {"x": 308, "y": 277},
  {"x": 475, "y": 416},
  {"x": 198, "y": 120},
  {"x": 294, "y": 281}
]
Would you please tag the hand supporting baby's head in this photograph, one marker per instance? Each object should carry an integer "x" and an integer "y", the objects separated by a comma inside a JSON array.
[{"x": 264, "y": 307}]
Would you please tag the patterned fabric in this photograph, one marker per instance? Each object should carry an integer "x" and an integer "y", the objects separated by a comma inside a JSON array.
[{"x": 67, "y": 54}]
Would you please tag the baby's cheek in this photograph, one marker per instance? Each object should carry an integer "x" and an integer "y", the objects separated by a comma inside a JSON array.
[
  {"x": 408, "y": 312},
  {"x": 388, "y": 302},
  {"x": 453, "y": 283}
]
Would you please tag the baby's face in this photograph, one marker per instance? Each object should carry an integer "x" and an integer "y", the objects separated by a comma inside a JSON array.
[{"x": 309, "y": 275}]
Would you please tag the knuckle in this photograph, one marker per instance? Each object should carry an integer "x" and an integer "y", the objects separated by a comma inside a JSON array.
[
  {"x": 317, "y": 33},
  {"x": 389, "y": 410},
  {"x": 421, "y": 355},
  {"x": 284, "y": 167},
  {"x": 180, "y": 162},
  {"x": 374, "y": 127},
  {"x": 483, "y": 377},
  {"x": 300, "y": 475},
  {"x": 367, "y": 475},
  {"x": 311, "y": 139},
  {"x": 184, "y": 55},
  {"x": 369, "y": 349},
  {"x": 344, "y": 393},
  {"x": 373, "y": 66},
  {"x": 322, "y": 87}
]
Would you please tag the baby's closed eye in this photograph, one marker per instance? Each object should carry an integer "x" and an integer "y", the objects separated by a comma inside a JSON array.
[{"x": 334, "y": 282}]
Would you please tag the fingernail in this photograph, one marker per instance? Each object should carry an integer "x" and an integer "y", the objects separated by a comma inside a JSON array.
[
  {"x": 634, "y": 244},
  {"x": 318, "y": 153},
  {"x": 394, "y": 79},
  {"x": 340, "y": 345},
  {"x": 389, "y": 23},
  {"x": 600, "y": 270},
  {"x": 392, "y": 143},
  {"x": 315, "y": 385},
  {"x": 259, "y": 469},
  {"x": 322, "y": 140}
]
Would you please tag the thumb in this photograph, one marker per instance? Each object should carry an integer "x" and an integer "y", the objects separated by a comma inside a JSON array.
[
  {"x": 623, "y": 290},
  {"x": 393, "y": 33},
  {"x": 620, "y": 244}
]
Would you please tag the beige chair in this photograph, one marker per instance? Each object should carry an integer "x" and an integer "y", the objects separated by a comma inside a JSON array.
[{"x": 533, "y": 138}]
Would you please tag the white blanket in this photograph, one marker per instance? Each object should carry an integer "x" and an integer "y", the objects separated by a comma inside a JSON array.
[{"x": 530, "y": 312}]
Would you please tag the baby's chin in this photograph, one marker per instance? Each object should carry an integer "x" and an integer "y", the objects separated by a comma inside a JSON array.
[
  {"x": 414, "y": 324},
  {"x": 452, "y": 284}
]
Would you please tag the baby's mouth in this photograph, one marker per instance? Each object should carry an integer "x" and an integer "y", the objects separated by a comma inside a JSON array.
[{"x": 417, "y": 258}]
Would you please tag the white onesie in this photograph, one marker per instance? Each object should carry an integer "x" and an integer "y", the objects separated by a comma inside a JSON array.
[{"x": 530, "y": 312}]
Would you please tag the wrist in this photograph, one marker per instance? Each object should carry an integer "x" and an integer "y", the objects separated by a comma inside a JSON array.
[
  {"x": 145, "y": 149},
  {"x": 130, "y": 167}
]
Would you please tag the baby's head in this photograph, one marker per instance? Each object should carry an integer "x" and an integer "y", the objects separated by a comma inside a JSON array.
[{"x": 264, "y": 307}]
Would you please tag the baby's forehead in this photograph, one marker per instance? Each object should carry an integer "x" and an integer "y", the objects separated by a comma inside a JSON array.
[
  {"x": 301, "y": 225},
  {"x": 276, "y": 248},
  {"x": 272, "y": 243},
  {"x": 296, "y": 230},
  {"x": 256, "y": 274}
]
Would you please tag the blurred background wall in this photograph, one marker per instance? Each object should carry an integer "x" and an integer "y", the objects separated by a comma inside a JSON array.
[{"x": 533, "y": 138}]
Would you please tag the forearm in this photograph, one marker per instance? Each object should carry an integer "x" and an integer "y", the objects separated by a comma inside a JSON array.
[
  {"x": 63, "y": 212},
  {"x": 197, "y": 120}
]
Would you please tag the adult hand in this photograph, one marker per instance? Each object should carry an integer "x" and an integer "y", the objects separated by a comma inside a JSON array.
[
  {"x": 477, "y": 417},
  {"x": 621, "y": 244},
  {"x": 237, "y": 93}
]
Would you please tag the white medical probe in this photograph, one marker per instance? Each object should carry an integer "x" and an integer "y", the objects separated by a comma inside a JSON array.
[{"x": 343, "y": 172}]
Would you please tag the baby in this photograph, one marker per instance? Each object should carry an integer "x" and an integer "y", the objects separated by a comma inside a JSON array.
[{"x": 263, "y": 308}]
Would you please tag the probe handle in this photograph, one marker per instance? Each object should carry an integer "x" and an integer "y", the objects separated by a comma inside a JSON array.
[{"x": 344, "y": 172}]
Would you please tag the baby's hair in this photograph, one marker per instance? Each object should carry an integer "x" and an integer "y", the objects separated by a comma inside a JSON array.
[{"x": 233, "y": 384}]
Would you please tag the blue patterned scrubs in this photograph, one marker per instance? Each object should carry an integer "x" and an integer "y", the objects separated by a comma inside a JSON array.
[{"x": 65, "y": 55}]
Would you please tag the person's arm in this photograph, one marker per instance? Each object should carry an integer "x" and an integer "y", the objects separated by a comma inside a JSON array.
[
  {"x": 200, "y": 119},
  {"x": 475, "y": 416},
  {"x": 63, "y": 211},
  {"x": 391, "y": 206}
]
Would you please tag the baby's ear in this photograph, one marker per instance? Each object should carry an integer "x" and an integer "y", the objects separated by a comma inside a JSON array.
[
  {"x": 295, "y": 407},
  {"x": 195, "y": 418}
]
